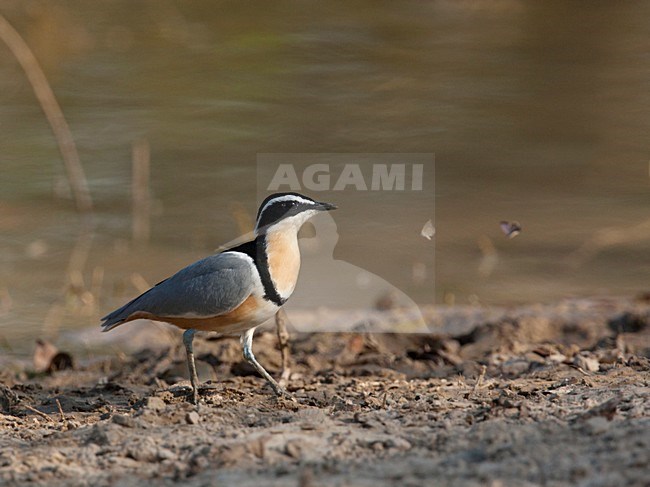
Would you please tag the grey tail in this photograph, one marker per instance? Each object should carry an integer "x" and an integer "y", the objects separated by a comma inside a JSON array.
[
  {"x": 109, "y": 326},
  {"x": 116, "y": 318},
  {"x": 119, "y": 316}
]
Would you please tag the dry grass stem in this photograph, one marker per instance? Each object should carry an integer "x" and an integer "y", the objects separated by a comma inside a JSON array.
[{"x": 53, "y": 113}]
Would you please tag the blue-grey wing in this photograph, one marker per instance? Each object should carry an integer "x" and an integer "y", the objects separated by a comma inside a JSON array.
[{"x": 209, "y": 287}]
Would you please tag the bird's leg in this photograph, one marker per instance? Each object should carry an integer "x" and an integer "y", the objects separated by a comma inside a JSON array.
[
  {"x": 188, "y": 337},
  {"x": 247, "y": 344},
  {"x": 283, "y": 343}
]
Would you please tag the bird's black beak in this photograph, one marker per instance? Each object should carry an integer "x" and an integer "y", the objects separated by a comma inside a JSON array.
[{"x": 326, "y": 206}]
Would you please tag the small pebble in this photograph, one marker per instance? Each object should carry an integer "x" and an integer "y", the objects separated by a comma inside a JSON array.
[
  {"x": 557, "y": 357},
  {"x": 293, "y": 449},
  {"x": 154, "y": 403},
  {"x": 192, "y": 417},
  {"x": 399, "y": 444},
  {"x": 165, "y": 454},
  {"x": 598, "y": 425},
  {"x": 590, "y": 364},
  {"x": 124, "y": 420},
  {"x": 377, "y": 446}
]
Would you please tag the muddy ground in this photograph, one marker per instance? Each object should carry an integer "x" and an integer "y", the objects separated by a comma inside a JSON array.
[{"x": 539, "y": 395}]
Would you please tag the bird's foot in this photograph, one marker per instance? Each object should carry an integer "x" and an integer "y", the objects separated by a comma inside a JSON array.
[
  {"x": 283, "y": 393},
  {"x": 193, "y": 396}
]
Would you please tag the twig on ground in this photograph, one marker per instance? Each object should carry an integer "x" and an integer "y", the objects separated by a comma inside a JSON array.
[
  {"x": 40, "y": 413},
  {"x": 384, "y": 400},
  {"x": 58, "y": 405},
  {"x": 480, "y": 379}
]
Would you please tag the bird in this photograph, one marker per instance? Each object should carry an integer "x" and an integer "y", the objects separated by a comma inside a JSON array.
[
  {"x": 510, "y": 229},
  {"x": 234, "y": 291}
]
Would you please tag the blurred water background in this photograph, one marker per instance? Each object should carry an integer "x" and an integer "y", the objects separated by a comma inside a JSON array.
[{"x": 536, "y": 111}]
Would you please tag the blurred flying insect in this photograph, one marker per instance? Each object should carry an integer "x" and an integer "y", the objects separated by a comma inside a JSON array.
[
  {"x": 428, "y": 230},
  {"x": 510, "y": 229}
]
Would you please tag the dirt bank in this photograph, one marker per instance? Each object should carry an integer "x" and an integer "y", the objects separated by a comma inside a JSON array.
[{"x": 540, "y": 395}]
